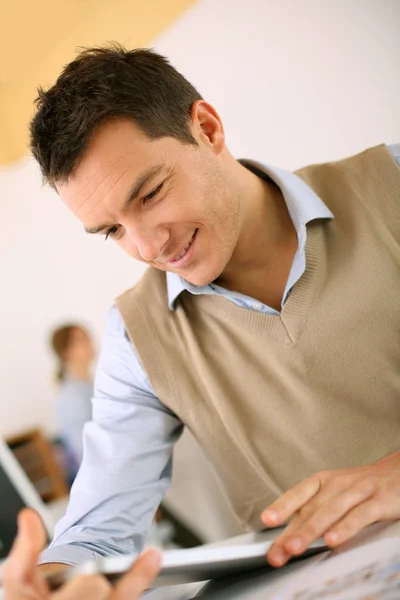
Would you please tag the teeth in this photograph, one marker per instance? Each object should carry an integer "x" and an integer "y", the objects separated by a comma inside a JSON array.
[{"x": 183, "y": 251}]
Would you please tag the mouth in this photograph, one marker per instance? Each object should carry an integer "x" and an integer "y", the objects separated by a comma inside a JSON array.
[{"x": 183, "y": 258}]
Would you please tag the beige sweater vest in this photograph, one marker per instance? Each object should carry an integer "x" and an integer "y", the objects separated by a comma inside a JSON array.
[{"x": 273, "y": 399}]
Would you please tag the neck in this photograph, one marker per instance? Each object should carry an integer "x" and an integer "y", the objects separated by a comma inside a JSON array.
[
  {"x": 78, "y": 371},
  {"x": 267, "y": 239}
]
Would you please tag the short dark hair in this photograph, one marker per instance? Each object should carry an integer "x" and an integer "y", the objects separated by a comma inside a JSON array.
[{"x": 100, "y": 85}]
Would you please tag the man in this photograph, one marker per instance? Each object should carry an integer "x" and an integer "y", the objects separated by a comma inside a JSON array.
[{"x": 267, "y": 322}]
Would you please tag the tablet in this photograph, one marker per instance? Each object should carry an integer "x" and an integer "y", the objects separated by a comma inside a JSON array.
[{"x": 184, "y": 566}]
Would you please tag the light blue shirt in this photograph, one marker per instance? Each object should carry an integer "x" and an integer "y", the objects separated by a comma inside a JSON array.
[
  {"x": 128, "y": 445},
  {"x": 74, "y": 410}
]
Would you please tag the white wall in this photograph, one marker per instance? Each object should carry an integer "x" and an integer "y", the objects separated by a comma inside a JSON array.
[
  {"x": 296, "y": 81},
  {"x": 51, "y": 271}
]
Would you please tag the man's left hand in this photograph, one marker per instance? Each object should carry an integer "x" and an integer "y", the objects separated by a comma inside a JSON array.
[{"x": 334, "y": 505}]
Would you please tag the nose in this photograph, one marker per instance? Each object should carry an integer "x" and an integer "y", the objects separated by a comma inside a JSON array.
[{"x": 147, "y": 243}]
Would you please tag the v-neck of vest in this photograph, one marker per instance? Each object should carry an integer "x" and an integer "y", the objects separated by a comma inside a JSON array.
[{"x": 288, "y": 325}]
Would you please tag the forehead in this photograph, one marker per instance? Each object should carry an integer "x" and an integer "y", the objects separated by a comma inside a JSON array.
[
  {"x": 79, "y": 333},
  {"x": 117, "y": 153}
]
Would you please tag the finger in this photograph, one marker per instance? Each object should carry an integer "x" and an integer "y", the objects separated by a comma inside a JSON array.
[
  {"x": 277, "y": 555},
  {"x": 356, "y": 519},
  {"x": 30, "y": 540},
  {"x": 318, "y": 523},
  {"x": 140, "y": 577},
  {"x": 330, "y": 492},
  {"x": 294, "y": 525},
  {"x": 86, "y": 587},
  {"x": 290, "y": 502},
  {"x": 314, "y": 521}
]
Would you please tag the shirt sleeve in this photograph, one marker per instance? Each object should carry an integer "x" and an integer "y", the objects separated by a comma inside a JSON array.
[{"x": 127, "y": 459}]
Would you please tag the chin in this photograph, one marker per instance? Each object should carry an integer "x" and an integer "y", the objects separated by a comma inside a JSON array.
[{"x": 203, "y": 277}]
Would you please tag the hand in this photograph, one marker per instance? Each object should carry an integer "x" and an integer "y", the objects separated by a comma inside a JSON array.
[
  {"x": 22, "y": 580},
  {"x": 334, "y": 505}
]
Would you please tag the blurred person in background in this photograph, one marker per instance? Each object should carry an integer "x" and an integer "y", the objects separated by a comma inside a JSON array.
[
  {"x": 75, "y": 352},
  {"x": 74, "y": 349}
]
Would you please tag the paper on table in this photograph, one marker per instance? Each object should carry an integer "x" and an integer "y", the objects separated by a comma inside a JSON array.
[{"x": 370, "y": 572}]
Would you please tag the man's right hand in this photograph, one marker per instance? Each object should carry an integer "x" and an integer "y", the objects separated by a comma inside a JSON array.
[{"x": 22, "y": 580}]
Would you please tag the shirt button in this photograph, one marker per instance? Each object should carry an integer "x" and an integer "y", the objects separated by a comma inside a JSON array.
[{"x": 257, "y": 306}]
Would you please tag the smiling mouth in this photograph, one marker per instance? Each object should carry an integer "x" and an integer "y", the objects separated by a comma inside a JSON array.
[{"x": 185, "y": 249}]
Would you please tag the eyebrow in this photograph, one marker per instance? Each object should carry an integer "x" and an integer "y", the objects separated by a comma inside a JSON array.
[{"x": 134, "y": 192}]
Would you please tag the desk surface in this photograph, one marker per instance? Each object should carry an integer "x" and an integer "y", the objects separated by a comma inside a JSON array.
[
  {"x": 259, "y": 585},
  {"x": 262, "y": 585}
]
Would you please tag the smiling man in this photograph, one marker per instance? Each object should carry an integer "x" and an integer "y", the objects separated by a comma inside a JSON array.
[{"x": 267, "y": 323}]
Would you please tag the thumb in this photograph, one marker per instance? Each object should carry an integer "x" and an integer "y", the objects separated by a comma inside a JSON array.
[
  {"x": 30, "y": 540},
  {"x": 140, "y": 576}
]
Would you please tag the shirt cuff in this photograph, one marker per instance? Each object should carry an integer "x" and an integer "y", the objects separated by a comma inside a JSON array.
[{"x": 68, "y": 554}]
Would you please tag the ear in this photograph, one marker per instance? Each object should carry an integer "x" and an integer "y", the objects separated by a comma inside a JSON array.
[{"x": 207, "y": 126}]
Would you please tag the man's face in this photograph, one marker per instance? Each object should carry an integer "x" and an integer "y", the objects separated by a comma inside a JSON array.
[{"x": 170, "y": 205}]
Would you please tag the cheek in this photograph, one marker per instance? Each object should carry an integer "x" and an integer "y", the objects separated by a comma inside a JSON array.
[
  {"x": 183, "y": 204},
  {"x": 127, "y": 245}
]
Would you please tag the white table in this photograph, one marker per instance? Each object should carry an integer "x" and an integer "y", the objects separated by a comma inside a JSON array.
[{"x": 262, "y": 586}]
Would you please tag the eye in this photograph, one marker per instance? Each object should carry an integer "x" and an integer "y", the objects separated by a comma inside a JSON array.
[
  {"x": 153, "y": 194},
  {"x": 111, "y": 232}
]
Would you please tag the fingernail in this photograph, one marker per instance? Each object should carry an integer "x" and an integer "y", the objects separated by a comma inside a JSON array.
[
  {"x": 270, "y": 516},
  {"x": 23, "y": 530},
  {"x": 153, "y": 556},
  {"x": 278, "y": 556},
  {"x": 331, "y": 537},
  {"x": 294, "y": 545}
]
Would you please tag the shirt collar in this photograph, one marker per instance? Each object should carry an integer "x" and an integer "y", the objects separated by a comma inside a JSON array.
[{"x": 304, "y": 205}]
